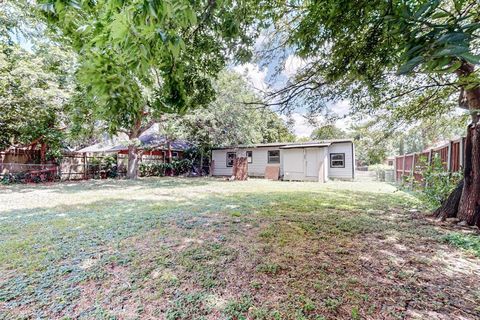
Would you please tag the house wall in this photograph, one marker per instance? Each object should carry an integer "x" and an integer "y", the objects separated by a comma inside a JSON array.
[
  {"x": 292, "y": 162},
  {"x": 342, "y": 173},
  {"x": 255, "y": 169},
  {"x": 295, "y": 162}
]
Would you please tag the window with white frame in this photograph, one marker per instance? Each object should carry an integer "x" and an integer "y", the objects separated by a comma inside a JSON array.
[
  {"x": 231, "y": 158},
  {"x": 273, "y": 156},
  {"x": 249, "y": 156},
  {"x": 337, "y": 160}
]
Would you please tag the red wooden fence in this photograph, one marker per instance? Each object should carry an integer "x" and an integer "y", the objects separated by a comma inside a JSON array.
[{"x": 410, "y": 165}]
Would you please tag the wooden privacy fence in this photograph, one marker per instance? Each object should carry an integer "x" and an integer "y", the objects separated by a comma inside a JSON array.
[
  {"x": 72, "y": 166},
  {"x": 411, "y": 165}
]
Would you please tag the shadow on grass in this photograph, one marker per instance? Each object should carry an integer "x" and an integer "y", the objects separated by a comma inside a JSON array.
[
  {"x": 111, "y": 184},
  {"x": 47, "y": 254}
]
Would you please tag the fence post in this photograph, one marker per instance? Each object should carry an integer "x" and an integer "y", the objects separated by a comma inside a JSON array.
[
  {"x": 403, "y": 168},
  {"x": 85, "y": 166},
  {"x": 449, "y": 157},
  {"x": 412, "y": 171},
  {"x": 395, "y": 169},
  {"x": 430, "y": 157},
  {"x": 461, "y": 156}
]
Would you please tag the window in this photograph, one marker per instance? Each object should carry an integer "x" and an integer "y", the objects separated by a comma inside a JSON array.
[
  {"x": 337, "y": 160},
  {"x": 231, "y": 158},
  {"x": 174, "y": 155},
  {"x": 274, "y": 156},
  {"x": 249, "y": 157}
]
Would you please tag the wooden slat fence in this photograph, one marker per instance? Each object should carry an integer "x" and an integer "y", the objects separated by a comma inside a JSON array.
[{"x": 414, "y": 164}]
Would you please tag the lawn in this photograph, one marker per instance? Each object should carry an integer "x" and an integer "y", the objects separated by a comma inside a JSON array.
[{"x": 175, "y": 248}]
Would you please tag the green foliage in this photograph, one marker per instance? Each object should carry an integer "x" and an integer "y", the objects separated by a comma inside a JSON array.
[
  {"x": 437, "y": 183},
  {"x": 227, "y": 121},
  {"x": 469, "y": 242},
  {"x": 10, "y": 178},
  {"x": 141, "y": 59},
  {"x": 35, "y": 81},
  {"x": 399, "y": 59},
  {"x": 33, "y": 95},
  {"x": 154, "y": 169},
  {"x": 328, "y": 132},
  {"x": 238, "y": 309},
  {"x": 104, "y": 167}
]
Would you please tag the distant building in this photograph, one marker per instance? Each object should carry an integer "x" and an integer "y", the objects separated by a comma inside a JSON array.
[
  {"x": 313, "y": 161},
  {"x": 153, "y": 147}
]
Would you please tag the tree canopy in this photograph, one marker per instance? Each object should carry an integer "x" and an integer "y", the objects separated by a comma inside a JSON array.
[
  {"x": 328, "y": 132},
  {"x": 227, "y": 121},
  {"x": 140, "y": 58},
  {"x": 36, "y": 83}
]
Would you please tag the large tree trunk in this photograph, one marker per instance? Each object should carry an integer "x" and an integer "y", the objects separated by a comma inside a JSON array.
[
  {"x": 469, "y": 206},
  {"x": 449, "y": 207},
  {"x": 133, "y": 158},
  {"x": 466, "y": 205}
]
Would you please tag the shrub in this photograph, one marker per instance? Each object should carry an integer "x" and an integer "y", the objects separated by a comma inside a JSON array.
[
  {"x": 154, "y": 169},
  {"x": 105, "y": 167},
  {"x": 437, "y": 184},
  {"x": 380, "y": 170}
]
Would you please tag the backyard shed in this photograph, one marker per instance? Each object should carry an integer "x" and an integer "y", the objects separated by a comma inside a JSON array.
[{"x": 309, "y": 161}]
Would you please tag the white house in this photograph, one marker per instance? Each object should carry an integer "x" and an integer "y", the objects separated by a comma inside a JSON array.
[{"x": 312, "y": 161}]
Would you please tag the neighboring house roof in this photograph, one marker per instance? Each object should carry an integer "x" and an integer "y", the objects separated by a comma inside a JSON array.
[
  {"x": 289, "y": 145},
  {"x": 147, "y": 141}
]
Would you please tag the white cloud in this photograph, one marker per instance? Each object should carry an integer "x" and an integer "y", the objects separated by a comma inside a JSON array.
[
  {"x": 301, "y": 127},
  {"x": 341, "y": 107},
  {"x": 254, "y": 75},
  {"x": 293, "y": 63}
]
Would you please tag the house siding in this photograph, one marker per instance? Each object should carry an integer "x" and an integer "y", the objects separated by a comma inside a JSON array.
[
  {"x": 255, "y": 169},
  {"x": 348, "y": 171},
  {"x": 291, "y": 162}
]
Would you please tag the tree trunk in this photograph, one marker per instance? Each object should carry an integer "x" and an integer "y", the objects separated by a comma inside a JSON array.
[
  {"x": 132, "y": 169},
  {"x": 449, "y": 207},
  {"x": 466, "y": 205},
  {"x": 469, "y": 207}
]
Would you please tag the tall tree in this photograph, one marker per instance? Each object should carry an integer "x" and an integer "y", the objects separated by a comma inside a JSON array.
[
  {"x": 139, "y": 59},
  {"x": 227, "y": 121},
  {"x": 35, "y": 83},
  {"x": 327, "y": 132},
  {"x": 399, "y": 56}
]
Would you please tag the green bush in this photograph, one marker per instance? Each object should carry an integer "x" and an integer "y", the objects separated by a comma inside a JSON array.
[
  {"x": 161, "y": 169},
  {"x": 437, "y": 184},
  {"x": 107, "y": 165},
  {"x": 380, "y": 170}
]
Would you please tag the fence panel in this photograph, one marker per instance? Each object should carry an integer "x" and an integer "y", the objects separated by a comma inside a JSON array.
[{"x": 413, "y": 165}]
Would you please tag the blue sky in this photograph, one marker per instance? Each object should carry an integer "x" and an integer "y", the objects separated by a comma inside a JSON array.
[{"x": 260, "y": 78}]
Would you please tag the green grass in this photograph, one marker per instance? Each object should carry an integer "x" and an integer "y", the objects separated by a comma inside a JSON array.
[
  {"x": 210, "y": 249},
  {"x": 468, "y": 242}
]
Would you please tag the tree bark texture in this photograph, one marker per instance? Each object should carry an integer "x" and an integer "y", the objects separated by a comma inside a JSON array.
[
  {"x": 465, "y": 205},
  {"x": 469, "y": 206},
  {"x": 449, "y": 207},
  {"x": 133, "y": 158}
]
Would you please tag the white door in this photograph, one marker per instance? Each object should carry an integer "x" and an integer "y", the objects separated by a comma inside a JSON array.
[{"x": 312, "y": 163}]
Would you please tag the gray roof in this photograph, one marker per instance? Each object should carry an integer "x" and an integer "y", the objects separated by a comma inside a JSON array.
[
  {"x": 289, "y": 145},
  {"x": 147, "y": 140}
]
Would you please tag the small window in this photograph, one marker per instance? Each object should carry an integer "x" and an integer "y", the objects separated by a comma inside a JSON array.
[
  {"x": 249, "y": 157},
  {"x": 274, "y": 156},
  {"x": 231, "y": 158},
  {"x": 174, "y": 155},
  {"x": 337, "y": 160}
]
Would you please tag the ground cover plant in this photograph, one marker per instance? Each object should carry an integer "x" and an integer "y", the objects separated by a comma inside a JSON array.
[{"x": 175, "y": 248}]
